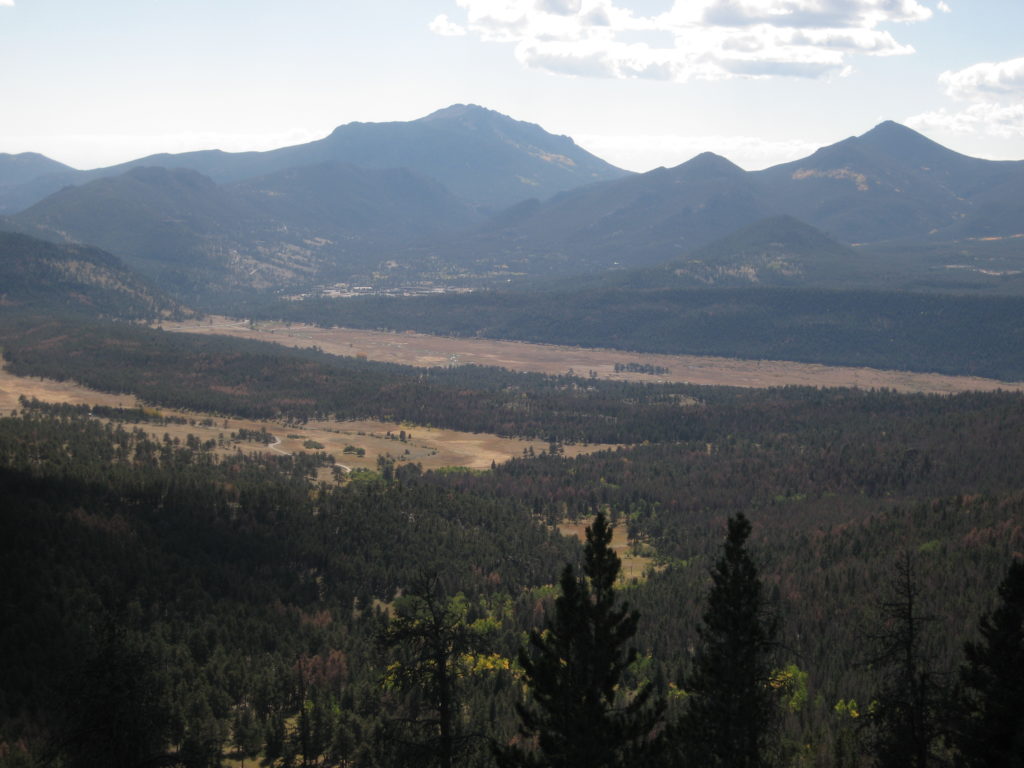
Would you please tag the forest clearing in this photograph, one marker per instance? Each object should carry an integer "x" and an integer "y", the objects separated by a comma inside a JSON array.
[
  {"x": 430, "y": 447},
  {"x": 635, "y": 562}
]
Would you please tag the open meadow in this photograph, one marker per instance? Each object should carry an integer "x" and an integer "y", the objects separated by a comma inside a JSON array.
[
  {"x": 430, "y": 447},
  {"x": 424, "y": 350}
]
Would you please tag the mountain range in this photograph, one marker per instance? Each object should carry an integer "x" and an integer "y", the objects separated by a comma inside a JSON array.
[
  {"x": 890, "y": 184},
  {"x": 182, "y": 229},
  {"x": 484, "y": 158},
  {"x": 470, "y": 193}
]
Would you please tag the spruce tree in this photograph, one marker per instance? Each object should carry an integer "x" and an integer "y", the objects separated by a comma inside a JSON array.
[
  {"x": 908, "y": 706},
  {"x": 580, "y": 715},
  {"x": 991, "y": 698},
  {"x": 730, "y": 715}
]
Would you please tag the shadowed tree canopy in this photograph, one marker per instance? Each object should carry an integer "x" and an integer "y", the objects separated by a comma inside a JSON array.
[
  {"x": 908, "y": 707},
  {"x": 580, "y": 713},
  {"x": 731, "y": 713},
  {"x": 991, "y": 729}
]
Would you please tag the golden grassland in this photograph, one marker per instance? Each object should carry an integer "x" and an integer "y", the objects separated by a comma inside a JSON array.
[
  {"x": 431, "y": 447},
  {"x": 424, "y": 350}
]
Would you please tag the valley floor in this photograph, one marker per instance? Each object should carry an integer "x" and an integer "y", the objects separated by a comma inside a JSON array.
[{"x": 425, "y": 350}]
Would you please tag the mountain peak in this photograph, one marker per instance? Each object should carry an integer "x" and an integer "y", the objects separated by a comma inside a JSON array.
[
  {"x": 891, "y": 131},
  {"x": 891, "y": 127},
  {"x": 26, "y": 166},
  {"x": 474, "y": 117},
  {"x": 486, "y": 158},
  {"x": 896, "y": 139},
  {"x": 24, "y": 156},
  {"x": 462, "y": 111},
  {"x": 709, "y": 164}
]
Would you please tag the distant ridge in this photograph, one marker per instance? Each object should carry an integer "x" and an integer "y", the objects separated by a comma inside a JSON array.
[
  {"x": 23, "y": 167},
  {"x": 890, "y": 184},
  {"x": 197, "y": 237},
  {"x": 485, "y": 158},
  {"x": 18, "y": 172}
]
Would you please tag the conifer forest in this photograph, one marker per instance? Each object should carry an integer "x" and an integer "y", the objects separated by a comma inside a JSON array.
[{"x": 833, "y": 577}]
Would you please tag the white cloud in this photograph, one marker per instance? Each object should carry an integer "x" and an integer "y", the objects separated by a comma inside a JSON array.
[
  {"x": 565, "y": 60},
  {"x": 944, "y": 7},
  {"x": 560, "y": 7},
  {"x": 993, "y": 92},
  {"x": 708, "y": 39},
  {"x": 985, "y": 79},
  {"x": 815, "y": 14},
  {"x": 1004, "y": 121},
  {"x": 8, "y": 3},
  {"x": 444, "y": 26},
  {"x": 877, "y": 42}
]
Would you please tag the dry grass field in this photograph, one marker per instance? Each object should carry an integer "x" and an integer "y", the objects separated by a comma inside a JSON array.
[
  {"x": 430, "y": 447},
  {"x": 47, "y": 390},
  {"x": 424, "y": 350},
  {"x": 634, "y": 567}
]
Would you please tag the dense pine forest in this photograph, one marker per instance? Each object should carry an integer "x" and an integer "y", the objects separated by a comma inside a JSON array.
[{"x": 834, "y": 574}]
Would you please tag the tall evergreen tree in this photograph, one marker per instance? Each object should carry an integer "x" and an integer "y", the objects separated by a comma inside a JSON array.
[
  {"x": 432, "y": 635},
  {"x": 580, "y": 715},
  {"x": 730, "y": 715},
  {"x": 991, "y": 699},
  {"x": 907, "y": 711}
]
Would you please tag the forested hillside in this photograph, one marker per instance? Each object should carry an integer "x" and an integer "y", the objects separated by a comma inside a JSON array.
[
  {"x": 232, "y": 605},
  {"x": 155, "y": 597},
  {"x": 41, "y": 278}
]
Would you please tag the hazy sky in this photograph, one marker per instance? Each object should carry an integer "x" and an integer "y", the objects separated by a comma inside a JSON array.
[{"x": 641, "y": 83}]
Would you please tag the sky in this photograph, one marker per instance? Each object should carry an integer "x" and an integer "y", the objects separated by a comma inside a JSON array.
[{"x": 641, "y": 83}]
